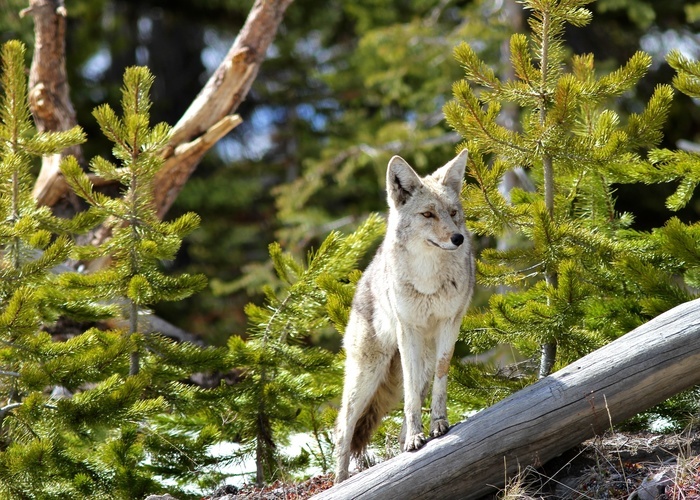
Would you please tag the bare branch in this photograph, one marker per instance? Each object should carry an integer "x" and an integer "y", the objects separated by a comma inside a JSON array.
[
  {"x": 8, "y": 408},
  {"x": 209, "y": 117},
  {"x": 226, "y": 89},
  {"x": 184, "y": 159}
]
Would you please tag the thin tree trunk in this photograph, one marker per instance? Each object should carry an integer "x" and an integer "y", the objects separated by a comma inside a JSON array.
[
  {"x": 632, "y": 374},
  {"x": 549, "y": 349}
]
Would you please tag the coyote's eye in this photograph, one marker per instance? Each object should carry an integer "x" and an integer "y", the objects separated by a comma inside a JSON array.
[
  {"x": 453, "y": 213},
  {"x": 428, "y": 215}
]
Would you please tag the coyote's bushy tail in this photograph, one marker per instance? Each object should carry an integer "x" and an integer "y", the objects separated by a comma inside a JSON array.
[{"x": 384, "y": 400}]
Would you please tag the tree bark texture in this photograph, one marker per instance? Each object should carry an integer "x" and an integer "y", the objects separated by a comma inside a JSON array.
[
  {"x": 208, "y": 119},
  {"x": 49, "y": 93},
  {"x": 635, "y": 372},
  {"x": 223, "y": 93}
]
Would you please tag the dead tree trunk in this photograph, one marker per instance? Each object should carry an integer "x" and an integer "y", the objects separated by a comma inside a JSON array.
[
  {"x": 49, "y": 93},
  {"x": 208, "y": 119},
  {"x": 637, "y": 371}
]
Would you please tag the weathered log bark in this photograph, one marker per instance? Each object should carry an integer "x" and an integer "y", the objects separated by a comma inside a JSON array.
[{"x": 637, "y": 371}]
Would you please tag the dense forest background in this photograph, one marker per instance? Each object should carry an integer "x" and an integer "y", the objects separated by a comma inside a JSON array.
[{"x": 343, "y": 88}]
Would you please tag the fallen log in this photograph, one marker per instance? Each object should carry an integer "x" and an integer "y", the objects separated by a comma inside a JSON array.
[{"x": 635, "y": 372}]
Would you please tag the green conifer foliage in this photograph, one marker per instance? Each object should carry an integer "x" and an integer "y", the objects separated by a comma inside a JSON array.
[
  {"x": 135, "y": 279},
  {"x": 286, "y": 384},
  {"x": 140, "y": 241},
  {"x": 579, "y": 276},
  {"x": 679, "y": 243},
  {"x": 76, "y": 419},
  {"x": 44, "y": 448}
]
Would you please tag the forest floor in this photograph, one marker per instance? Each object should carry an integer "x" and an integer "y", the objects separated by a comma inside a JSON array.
[{"x": 629, "y": 466}]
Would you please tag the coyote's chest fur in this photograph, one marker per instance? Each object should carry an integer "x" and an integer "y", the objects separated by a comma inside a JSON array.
[
  {"x": 407, "y": 310},
  {"x": 431, "y": 291}
]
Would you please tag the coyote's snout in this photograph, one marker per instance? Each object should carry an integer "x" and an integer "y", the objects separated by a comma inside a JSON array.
[
  {"x": 456, "y": 240},
  {"x": 407, "y": 310}
]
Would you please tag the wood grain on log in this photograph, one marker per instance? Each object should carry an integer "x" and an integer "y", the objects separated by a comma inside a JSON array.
[{"x": 635, "y": 372}]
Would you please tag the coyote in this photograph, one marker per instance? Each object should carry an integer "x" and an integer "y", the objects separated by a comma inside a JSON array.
[{"x": 407, "y": 310}]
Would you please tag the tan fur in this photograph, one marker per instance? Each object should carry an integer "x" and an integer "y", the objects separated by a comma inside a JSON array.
[
  {"x": 407, "y": 310},
  {"x": 384, "y": 400}
]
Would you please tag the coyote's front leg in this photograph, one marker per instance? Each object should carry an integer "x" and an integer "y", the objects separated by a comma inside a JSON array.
[
  {"x": 438, "y": 406},
  {"x": 414, "y": 379}
]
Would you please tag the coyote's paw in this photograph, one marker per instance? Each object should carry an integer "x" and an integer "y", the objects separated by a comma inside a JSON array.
[
  {"x": 414, "y": 442},
  {"x": 439, "y": 427}
]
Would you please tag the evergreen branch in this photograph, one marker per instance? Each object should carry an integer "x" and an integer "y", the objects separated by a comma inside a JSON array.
[
  {"x": 83, "y": 187},
  {"x": 491, "y": 275},
  {"x": 481, "y": 181},
  {"x": 180, "y": 450},
  {"x": 468, "y": 101},
  {"x": 12, "y": 406},
  {"x": 112, "y": 127},
  {"x": 687, "y": 78},
  {"x": 645, "y": 129},
  {"x": 521, "y": 61},
  {"x": 476, "y": 70},
  {"x": 624, "y": 78}
]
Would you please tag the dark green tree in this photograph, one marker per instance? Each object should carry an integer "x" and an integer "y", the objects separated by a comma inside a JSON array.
[
  {"x": 47, "y": 440},
  {"x": 139, "y": 242},
  {"x": 286, "y": 382}
]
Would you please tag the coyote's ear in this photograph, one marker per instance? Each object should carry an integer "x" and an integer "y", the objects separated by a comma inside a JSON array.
[
  {"x": 401, "y": 181},
  {"x": 452, "y": 174}
]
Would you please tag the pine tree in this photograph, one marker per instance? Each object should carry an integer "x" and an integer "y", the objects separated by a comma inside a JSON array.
[
  {"x": 42, "y": 450},
  {"x": 580, "y": 276},
  {"x": 677, "y": 242},
  {"x": 140, "y": 241},
  {"x": 77, "y": 421},
  {"x": 286, "y": 383},
  {"x": 135, "y": 279}
]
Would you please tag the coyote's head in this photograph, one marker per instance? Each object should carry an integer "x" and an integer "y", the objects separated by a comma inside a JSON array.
[{"x": 428, "y": 210}]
